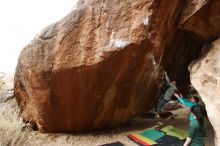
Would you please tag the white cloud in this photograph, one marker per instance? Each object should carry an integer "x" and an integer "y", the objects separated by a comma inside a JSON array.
[{"x": 22, "y": 20}]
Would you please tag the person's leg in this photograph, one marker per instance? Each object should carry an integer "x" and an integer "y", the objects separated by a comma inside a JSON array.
[
  {"x": 159, "y": 107},
  {"x": 156, "y": 107},
  {"x": 162, "y": 102}
]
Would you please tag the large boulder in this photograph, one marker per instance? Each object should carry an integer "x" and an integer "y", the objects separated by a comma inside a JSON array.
[
  {"x": 202, "y": 18},
  {"x": 205, "y": 76},
  {"x": 101, "y": 64}
]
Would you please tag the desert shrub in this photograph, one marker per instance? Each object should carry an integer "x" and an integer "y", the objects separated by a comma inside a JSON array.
[{"x": 11, "y": 133}]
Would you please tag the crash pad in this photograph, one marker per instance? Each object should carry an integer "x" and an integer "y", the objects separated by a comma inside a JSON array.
[
  {"x": 152, "y": 134},
  {"x": 176, "y": 132},
  {"x": 168, "y": 140}
]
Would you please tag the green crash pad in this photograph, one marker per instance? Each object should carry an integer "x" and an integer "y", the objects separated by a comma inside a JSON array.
[
  {"x": 176, "y": 132},
  {"x": 152, "y": 134}
]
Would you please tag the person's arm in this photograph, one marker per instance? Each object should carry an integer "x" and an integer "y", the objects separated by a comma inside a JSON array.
[
  {"x": 167, "y": 78},
  {"x": 184, "y": 101},
  {"x": 187, "y": 142}
]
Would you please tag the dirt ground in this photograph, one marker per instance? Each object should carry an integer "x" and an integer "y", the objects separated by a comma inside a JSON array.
[{"x": 136, "y": 125}]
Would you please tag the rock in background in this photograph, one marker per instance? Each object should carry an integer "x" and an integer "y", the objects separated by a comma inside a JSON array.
[
  {"x": 6, "y": 86},
  {"x": 201, "y": 18},
  {"x": 205, "y": 76}
]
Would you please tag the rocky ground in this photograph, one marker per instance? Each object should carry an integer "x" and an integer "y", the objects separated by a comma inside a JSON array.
[
  {"x": 9, "y": 114},
  {"x": 119, "y": 134}
]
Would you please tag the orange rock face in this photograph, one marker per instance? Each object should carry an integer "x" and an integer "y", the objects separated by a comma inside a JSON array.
[
  {"x": 202, "y": 18},
  {"x": 100, "y": 65}
]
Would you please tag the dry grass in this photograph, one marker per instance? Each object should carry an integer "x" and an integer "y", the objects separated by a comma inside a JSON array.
[{"x": 11, "y": 133}]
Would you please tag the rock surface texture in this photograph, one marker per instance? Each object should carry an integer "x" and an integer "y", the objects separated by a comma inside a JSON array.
[
  {"x": 101, "y": 64},
  {"x": 205, "y": 76},
  {"x": 202, "y": 18}
]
